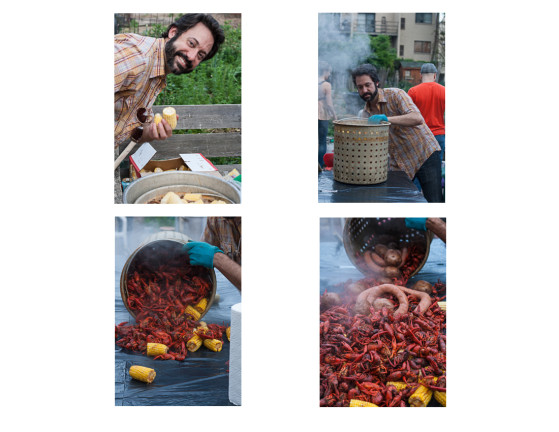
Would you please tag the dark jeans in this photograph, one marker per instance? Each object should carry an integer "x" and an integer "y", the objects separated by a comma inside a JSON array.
[
  {"x": 322, "y": 132},
  {"x": 429, "y": 177},
  {"x": 440, "y": 140}
]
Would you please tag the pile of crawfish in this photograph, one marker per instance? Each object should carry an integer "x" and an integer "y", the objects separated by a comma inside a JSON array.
[
  {"x": 361, "y": 353},
  {"x": 158, "y": 294}
]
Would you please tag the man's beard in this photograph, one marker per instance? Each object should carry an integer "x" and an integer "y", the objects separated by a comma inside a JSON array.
[
  {"x": 372, "y": 97},
  {"x": 171, "y": 53}
]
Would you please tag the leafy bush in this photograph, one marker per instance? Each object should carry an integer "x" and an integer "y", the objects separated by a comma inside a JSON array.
[{"x": 216, "y": 81}]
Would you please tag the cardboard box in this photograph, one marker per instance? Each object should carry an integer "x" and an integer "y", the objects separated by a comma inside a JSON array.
[{"x": 165, "y": 165}]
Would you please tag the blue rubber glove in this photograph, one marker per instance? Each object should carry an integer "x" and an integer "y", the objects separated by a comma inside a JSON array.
[
  {"x": 377, "y": 118},
  {"x": 416, "y": 223},
  {"x": 201, "y": 253}
]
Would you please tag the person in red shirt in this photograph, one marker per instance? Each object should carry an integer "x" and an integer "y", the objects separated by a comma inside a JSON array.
[{"x": 429, "y": 97}]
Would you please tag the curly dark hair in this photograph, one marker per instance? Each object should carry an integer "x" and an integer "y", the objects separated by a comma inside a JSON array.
[
  {"x": 365, "y": 69},
  {"x": 188, "y": 21}
]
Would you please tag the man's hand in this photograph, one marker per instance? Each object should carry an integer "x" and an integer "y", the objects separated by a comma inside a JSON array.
[
  {"x": 416, "y": 223},
  {"x": 153, "y": 132},
  {"x": 201, "y": 253},
  {"x": 377, "y": 118}
]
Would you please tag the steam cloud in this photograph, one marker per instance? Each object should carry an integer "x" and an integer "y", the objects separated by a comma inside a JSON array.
[{"x": 342, "y": 51}]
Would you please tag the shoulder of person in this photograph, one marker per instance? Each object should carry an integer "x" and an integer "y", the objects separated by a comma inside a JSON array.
[
  {"x": 130, "y": 41},
  {"x": 394, "y": 91}
]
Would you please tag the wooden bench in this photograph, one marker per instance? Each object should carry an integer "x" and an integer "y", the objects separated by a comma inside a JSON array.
[{"x": 210, "y": 144}]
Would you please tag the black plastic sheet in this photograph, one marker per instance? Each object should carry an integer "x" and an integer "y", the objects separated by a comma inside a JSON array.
[
  {"x": 397, "y": 188},
  {"x": 201, "y": 379}
]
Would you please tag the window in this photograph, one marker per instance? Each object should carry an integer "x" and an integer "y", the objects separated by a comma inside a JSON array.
[
  {"x": 422, "y": 47},
  {"x": 407, "y": 74},
  {"x": 401, "y": 50},
  {"x": 402, "y": 23},
  {"x": 423, "y": 18},
  {"x": 366, "y": 22}
]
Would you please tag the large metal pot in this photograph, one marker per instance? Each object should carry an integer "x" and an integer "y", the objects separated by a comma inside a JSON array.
[
  {"x": 362, "y": 234},
  {"x": 143, "y": 189},
  {"x": 168, "y": 241}
]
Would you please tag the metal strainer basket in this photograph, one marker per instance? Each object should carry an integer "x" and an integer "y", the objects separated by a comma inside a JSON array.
[
  {"x": 362, "y": 234},
  {"x": 360, "y": 151},
  {"x": 157, "y": 249}
]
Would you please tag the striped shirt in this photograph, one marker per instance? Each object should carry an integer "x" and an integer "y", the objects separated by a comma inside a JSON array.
[
  {"x": 409, "y": 146},
  {"x": 139, "y": 78}
]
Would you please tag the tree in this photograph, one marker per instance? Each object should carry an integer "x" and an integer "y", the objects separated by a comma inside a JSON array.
[{"x": 383, "y": 56}]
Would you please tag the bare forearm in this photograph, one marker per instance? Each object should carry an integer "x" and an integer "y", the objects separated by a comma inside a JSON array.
[
  {"x": 437, "y": 226},
  {"x": 229, "y": 268},
  {"x": 410, "y": 119}
]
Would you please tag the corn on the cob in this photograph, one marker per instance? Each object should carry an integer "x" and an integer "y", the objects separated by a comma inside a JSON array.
[
  {"x": 213, "y": 344},
  {"x": 192, "y": 196},
  {"x": 442, "y": 305},
  {"x": 421, "y": 397},
  {"x": 194, "y": 343},
  {"x": 157, "y": 118},
  {"x": 228, "y": 333},
  {"x": 170, "y": 116},
  {"x": 440, "y": 397},
  {"x": 400, "y": 385},
  {"x": 192, "y": 312},
  {"x": 201, "y": 305},
  {"x": 142, "y": 373},
  {"x": 360, "y": 403},
  {"x": 155, "y": 349}
]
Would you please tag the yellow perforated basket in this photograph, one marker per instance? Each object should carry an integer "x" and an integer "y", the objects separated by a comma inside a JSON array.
[{"x": 360, "y": 151}]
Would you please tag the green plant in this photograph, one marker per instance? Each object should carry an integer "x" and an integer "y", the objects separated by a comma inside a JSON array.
[
  {"x": 216, "y": 81},
  {"x": 155, "y": 30},
  {"x": 405, "y": 85},
  {"x": 225, "y": 160}
]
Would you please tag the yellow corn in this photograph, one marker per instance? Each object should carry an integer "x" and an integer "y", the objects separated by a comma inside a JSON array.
[
  {"x": 170, "y": 116},
  {"x": 228, "y": 333},
  {"x": 201, "y": 305},
  {"x": 442, "y": 305},
  {"x": 213, "y": 344},
  {"x": 440, "y": 397},
  {"x": 194, "y": 343},
  {"x": 157, "y": 118},
  {"x": 192, "y": 312},
  {"x": 400, "y": 385},
  {"x": 142, "y": 373},
  {"x": 421, "y": 397},
  {"x": 192, "y": 196},
  {"x": 360, "y": 403},
  {"x": 155, "y": 349}
]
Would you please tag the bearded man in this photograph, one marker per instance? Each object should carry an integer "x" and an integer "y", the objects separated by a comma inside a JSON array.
[
  {"x": 412, "y": 147},
  {"x": 142, "y": 64}
]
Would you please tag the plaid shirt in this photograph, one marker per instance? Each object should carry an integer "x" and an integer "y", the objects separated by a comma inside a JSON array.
[
  {"x": 225, "y": 233},
  {"x": 409, "y": 146},
  {"x": 139, "y": 78}
]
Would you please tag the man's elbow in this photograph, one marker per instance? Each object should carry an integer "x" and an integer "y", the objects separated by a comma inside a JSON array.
[{"x": 417, "y": 119}]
